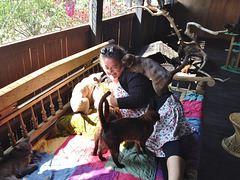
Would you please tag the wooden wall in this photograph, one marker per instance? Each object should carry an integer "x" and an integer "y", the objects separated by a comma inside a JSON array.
[
  {"x": 211, "y": 14},
  {"x": 21, "y": 58},
  {"x": 118, "y": 28}
]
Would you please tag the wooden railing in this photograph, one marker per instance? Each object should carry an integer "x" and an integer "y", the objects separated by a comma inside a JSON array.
[
  {"x": 26, "y": 56},
  {"x": 36, "y": 114}
]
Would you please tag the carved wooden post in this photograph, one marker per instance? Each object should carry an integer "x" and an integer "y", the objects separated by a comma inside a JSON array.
[
  {"x": 200, "y": 89},
  {"x": 178, "y": 84},
  {"x": 72, "y": 85},
  {"x": 60, "y": 104},
  {"x": 189, "y": 85},
  {"x": 95, "y": 21},
  {"x": 44, "y": 114},
  {"x": 98, "y": 68},
  {"x": 11, "y": 135},
  {"x": 23, "y": 127},
  {"x": 34, "y": 119},
  {"x": 53, "y": 112}
]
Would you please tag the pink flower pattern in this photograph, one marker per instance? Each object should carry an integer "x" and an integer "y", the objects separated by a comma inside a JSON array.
[
  {"x": 171, "y": 126},
  {"x": 120, "y": 92}
]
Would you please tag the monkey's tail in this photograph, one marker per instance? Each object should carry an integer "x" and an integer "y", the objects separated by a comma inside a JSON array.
[
  {"x": 104, "y": 118},
  {"x": 179, "y": 68}
]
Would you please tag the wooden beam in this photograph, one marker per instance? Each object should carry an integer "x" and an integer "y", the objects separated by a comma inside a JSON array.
[
  {"x": 192, "y": 77},
  {"x": 137, "y": 26},
  {"x": 34, "y": 81},
  {"x": 95, "y": 21}
]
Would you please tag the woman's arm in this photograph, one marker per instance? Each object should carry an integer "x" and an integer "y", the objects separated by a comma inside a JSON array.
[{"x": 139, "y": 88}]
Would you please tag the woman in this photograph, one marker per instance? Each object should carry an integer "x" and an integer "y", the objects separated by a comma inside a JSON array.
[{"x": 132, "y": 92}]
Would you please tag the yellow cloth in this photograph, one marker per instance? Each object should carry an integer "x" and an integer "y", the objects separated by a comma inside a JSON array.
[{"x": 78, "y": 123}]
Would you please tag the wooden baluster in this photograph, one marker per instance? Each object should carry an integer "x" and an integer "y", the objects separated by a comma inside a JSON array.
[
  {"x": 60, "y": 104},
  {"x": 1, "y": 150},
  {"x": 98, "y": 68},
  {"x": 11, "y": 135},
  {"x": 44, "y": 114},
  {"x": 95, "y": 69},
  {"x": 53, "y": 112},
  {"x": 34, "y": 119},
  {"x": 81, "y": 78},
  {"x": 234, "y": 56},
  {"x": 200, "y": 89},
  {"x": 178, "y": 84},
  {"x": 72, "y": 85},
  {"x": 68, "y": 84},
  {"x": 189, "y": 85},
  {"x": 230, "y": 51},
  {"x": 237, "y": 62},
  {"x": 78, "y": 79},
  {"x": 23, "y": 127}
]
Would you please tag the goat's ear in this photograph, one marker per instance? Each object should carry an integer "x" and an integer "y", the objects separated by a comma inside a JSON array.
[
  {"x": 128, "y": 60},
  {"x": 124, "y": 59},
  {"x": 18, "y": 146},
  {"x": 130, "y": 57}
]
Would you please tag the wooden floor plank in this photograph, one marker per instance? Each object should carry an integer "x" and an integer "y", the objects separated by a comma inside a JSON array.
[{"x": 220, "y": 101}]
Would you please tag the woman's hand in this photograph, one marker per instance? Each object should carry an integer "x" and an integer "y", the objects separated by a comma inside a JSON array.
[{"x": 113, "y": 101}]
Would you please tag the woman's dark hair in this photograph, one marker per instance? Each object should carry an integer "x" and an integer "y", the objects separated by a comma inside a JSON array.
[{"x": 113, "y": 51}]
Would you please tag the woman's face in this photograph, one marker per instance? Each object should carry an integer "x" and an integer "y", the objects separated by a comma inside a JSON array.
[{"x": 112, "y": 68}]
